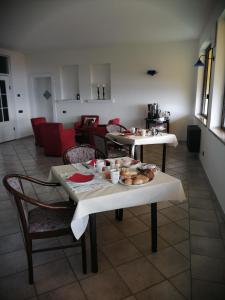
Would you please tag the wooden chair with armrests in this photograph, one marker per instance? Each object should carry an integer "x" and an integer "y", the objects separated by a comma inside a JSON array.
[
  {"x": 45, "y": 221},
  {"x": 109, "y": 147}
]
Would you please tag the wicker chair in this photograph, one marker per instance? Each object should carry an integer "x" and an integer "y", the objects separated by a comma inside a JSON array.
[
  {"x": 82, "y": 153},
  {"x": 44, "y": 221}
]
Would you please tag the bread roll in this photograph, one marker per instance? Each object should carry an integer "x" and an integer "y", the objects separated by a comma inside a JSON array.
[
  {"x": 128, "y": 181},
  {"x": 128, "y": 173},
  {"x": 149, "y": 173},
  {"x": 143, "y": 178},
  {"x": 137, "y": 181}
]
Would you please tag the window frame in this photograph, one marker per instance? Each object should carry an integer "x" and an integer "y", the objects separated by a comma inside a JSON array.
[
  {"x": 223, "y": 112},
  {"x": 206, "y": 80}
]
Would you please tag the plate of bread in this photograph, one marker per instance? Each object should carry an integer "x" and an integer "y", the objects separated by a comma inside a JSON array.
[{"x": 135, "y": 178}]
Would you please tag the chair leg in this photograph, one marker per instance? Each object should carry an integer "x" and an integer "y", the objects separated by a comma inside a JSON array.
[
  {"x": 30, "y": 262},
  {"x": 84, "y": 256}
]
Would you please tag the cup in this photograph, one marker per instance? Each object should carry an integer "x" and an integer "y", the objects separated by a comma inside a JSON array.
[
  {"x": 143, "y": 132},
  {"x": 133, "y": 130},
  {"x": 99, "y": 165},
  {"x": 115, "y": 176}
]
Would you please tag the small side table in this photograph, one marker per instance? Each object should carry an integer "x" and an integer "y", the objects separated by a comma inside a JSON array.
[{"x": 155, "y": 123}]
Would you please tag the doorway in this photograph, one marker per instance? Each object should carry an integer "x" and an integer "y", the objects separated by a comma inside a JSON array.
[
  {"x": 43, "y": 97},
  {"x": 7, "y": 120}
]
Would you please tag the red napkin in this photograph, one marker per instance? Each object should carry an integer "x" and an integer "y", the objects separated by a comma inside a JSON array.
[
  {"x": 92, "y": 162},
  {"x": 77, "y": 177}
]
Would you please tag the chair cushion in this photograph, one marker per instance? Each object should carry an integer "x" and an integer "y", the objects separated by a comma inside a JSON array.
[
  {"x": 43, "y": 220},
  {"x": 80, "y": 154}
]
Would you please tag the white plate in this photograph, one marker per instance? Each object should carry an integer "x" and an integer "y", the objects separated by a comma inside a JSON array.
[{"x": 134, "y": 185}]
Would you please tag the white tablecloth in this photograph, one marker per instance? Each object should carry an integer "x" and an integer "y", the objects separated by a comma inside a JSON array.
[
  {"x": 161, "y": 138},
  {"x": 162, "y": 188}
]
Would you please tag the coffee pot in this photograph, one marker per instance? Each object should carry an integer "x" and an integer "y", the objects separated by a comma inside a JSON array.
[{"x": 153, "y": 111}]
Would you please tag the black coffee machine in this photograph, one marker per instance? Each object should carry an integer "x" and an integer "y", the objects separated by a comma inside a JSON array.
[{"x": 153, "y": 111}]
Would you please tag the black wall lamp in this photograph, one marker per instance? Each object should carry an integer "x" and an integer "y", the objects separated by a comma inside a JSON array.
[
  {"x": 199, "y": 63},
  {"x": 152, "y": 72}
]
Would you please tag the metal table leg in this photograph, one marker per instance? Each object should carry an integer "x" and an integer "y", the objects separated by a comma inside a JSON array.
[
  {"x": 133, "y": 151},
  {"x": 93, "y": 243},
  {"x": 141, "y": 153},
  {"x": 119, "y": 214},
  {"x": 164, "y": 159},
  {"x": 154, "y": 226}
]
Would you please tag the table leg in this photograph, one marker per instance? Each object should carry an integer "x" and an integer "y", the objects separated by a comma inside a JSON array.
[
  {"x": 93, "y": 243},
  {"x": 119, "y": 214},
  {"x": 164, "y": 159},
  {"x": 133, "y": 151},
  {"x": 141, "y": 153},
  {"x": 154, "y": 226}
]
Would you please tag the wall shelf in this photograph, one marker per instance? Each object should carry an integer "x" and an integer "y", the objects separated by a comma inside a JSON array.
[
  {"x": 101, "y": 101},
  {"x": 69, "y": 76},
  {"x": 69, "y": 100}
]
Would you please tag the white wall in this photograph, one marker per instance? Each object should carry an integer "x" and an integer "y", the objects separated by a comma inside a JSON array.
[
  {"x": 173, "y": 87},
  {"x": 19, "y": 85},
  {"x": 213, "y": 160}
]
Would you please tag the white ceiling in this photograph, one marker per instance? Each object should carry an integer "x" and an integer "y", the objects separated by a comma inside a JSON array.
[{"x": 65, "y": 24}]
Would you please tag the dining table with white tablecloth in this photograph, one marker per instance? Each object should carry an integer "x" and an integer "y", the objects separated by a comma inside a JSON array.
[
  {"x": 100, "y": 195},
  {"x": 135, "y": 140}
]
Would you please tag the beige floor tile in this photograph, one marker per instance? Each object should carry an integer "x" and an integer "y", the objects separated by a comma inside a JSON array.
[
  {"x": 203, "y": 215},
  {"x": 105, "y": 286},
  {"x": 184, "y": 224},
  {"x": 13, "y": 262},
  {"x": 139, "y": 210},
  {"x": 169, "y": 262},
  {"x": 184, "y": 248},
  {"x": 183, "y": 283},
  {"x": 139, "y": 274},
  {"x": 52, "y": 275},
  {"x": 174, "y": 213},
  {"x": 121, "y": 252},
  {"x": 207, "y": 246},
  {"x": 162, "y": 291},
  {"x": 108, "y": 234},
  {"x": 131, "y": 226},
  {"x": 161, "y": 219},
  {"x": 207, "y": 268},
  {"x": 68, "y": 292},
  {"x": 16, "y": 287},
  {"x": 172, "y": 233},
  {"x": 207, "y": 229},
  {"x": 76, "y": 263},
  {"x": 143, "y": 242},
  {"x": 207, "y": 290}
]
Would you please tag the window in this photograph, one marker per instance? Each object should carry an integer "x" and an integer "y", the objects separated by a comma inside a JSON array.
[
  {"x": 223, "y": 112},
  {"x": 4, "y": 65},
  {"x": 4, "y": 113},
  {"x": 206, "y": 81}
]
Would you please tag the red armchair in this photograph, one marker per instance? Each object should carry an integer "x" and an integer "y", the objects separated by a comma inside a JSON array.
[
  {"x": 114, "y": 121},
  {"x": 85, "y": 126},
  {"x": 86, "y": 122},
  {"x": 36, "y": 122},
  {"x": 57, "y": 139}
]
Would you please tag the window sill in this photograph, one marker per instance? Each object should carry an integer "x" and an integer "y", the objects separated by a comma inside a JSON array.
[
  {"x": 202, "y": 119},
  {"x": 219, "y": 133}
]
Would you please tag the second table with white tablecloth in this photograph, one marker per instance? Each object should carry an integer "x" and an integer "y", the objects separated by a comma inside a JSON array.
[
  {"x": 101, "y": 195},
  {"x": 137, "y": 140}
]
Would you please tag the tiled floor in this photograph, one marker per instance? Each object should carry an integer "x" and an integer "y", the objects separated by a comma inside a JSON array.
[{"x": 189, "y": 264}]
